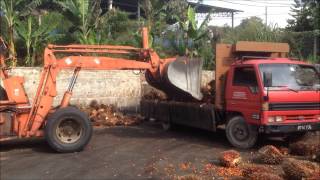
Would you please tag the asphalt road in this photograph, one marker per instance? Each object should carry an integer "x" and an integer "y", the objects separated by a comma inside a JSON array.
[{"x": 138, "y": 152}]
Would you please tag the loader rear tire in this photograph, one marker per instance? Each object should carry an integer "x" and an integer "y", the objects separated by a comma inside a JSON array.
[
  {"x": 240, "y": 134},
  {"x": 68, "y": 130}
]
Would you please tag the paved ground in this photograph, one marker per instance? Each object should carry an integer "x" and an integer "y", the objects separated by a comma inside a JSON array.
[{"x": 138, "y": 152}]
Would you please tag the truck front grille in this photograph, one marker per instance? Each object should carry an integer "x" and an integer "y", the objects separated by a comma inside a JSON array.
[
  {"x": 301, "y": 117},
  {"x": 294, "y": 106}
]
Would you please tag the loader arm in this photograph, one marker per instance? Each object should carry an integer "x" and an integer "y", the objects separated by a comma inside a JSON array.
[{"x": 42, "y": 104}]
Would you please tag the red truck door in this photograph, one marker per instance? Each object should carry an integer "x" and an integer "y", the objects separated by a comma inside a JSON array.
[{"x": 243, "y": 93}]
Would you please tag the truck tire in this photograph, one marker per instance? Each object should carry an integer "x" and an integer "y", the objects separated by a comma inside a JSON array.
[
  {"x": 240, "y": 134},
  {"x": 68, "y": 130}
]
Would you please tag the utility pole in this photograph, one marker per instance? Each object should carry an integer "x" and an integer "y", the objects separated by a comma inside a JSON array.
[
  {"x": 266, "y": 16},
  {"x": 232, "y": 19},
  {"x": 138, "y": 10},
  {"x": 316, "y": 35}
]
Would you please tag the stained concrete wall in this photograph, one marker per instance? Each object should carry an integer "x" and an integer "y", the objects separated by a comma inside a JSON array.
[{"x": 122, "y": 88}]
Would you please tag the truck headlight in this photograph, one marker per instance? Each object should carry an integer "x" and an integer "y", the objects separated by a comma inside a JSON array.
[
  {"x": 275, "y": 119},
  {"x": 318, "y": 117},
  {"x": 271, "y": 119},
  {"x": 279, "y": 118}
]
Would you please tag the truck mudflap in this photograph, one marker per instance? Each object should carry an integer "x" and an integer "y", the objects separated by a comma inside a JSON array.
[{"x": 290, "y": 128}]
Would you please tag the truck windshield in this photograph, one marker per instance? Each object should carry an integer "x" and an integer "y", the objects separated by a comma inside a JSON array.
[{"x": 292, "y": 76}]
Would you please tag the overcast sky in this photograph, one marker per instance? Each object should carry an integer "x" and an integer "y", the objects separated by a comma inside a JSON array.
[{"x": 278, "y": 10}]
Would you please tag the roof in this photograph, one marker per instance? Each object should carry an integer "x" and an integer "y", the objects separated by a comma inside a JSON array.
[
  {"x": 205, "y": 8},
  {"x": 132, "y": 5}
]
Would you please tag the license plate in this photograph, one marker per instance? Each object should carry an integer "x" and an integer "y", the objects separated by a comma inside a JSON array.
[{"x": 304, "y": 127}]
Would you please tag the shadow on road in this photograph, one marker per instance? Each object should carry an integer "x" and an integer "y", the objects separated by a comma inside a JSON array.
[
  {"x": 148, "y": 130},
  {"x": 216, "y": 139},
  {"x": 152, "y": 130},
  {"x": 36, "y": 144}
]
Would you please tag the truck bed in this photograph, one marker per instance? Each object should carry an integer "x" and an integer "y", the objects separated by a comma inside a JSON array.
[{"x": 194, "y": 114}]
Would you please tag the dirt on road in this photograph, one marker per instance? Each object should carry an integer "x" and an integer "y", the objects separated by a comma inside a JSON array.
[{"x": 132, "y": 152}]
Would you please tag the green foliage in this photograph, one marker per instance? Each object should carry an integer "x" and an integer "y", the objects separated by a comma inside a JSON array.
[
  {"x": 304, "y": 29},
  {"x": 187, "y": 38},
  {"x": 192, "y": 35},
  {"x": 160, "y": 14},
  {"x": 306, "y": 16},
  {"x": 36, "y": 35},
  {"x": 118, "y": 29},
  {"x": 9, "y": 9},
  {"x": 252, "y": 29},
  {"x": 84, "y": 15},
  {"x": 29, "y": 25}
]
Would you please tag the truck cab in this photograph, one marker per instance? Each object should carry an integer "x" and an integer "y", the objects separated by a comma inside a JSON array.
[{"x": 285, "y": 101}]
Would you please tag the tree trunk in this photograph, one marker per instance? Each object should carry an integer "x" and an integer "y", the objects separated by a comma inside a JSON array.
[
  {"x": 28, "y": 58},
  {"x": 12, "y": 51}
]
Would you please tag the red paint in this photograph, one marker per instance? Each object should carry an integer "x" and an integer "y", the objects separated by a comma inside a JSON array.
[{"x": 252, "y": 103}]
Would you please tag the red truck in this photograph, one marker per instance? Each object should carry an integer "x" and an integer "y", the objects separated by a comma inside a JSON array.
[{"x": 258, "y": 90}]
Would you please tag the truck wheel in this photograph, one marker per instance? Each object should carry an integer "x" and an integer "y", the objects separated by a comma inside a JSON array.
[
  {"x": 240, "y": 134},
  {"x": 68, "y": 130}
]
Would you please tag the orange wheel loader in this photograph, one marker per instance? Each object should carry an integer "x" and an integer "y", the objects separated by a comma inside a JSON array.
[{"x": 65, "y": 127}]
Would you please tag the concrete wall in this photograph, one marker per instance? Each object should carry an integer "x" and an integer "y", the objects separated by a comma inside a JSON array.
[{"x": 122, "y": 88}]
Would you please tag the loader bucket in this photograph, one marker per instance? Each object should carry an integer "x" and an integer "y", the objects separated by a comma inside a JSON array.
[
  {"x": 185, "y": 74},
  {"x": 180, "y": 79}
]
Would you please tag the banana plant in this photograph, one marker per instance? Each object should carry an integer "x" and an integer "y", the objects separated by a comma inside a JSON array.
[
  {"x": 85, "y": 16},
  {"x": 12, "y": 10},
  {"x": 192, "y": 34},
  {"x": 8, "y": 8},
  {"x": 36, "y": 36}
]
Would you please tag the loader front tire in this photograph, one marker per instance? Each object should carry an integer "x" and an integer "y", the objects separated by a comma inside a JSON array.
[{"x": 68, "y": 130}]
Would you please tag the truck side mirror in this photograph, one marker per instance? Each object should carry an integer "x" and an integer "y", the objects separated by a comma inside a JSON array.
[{"x": 267, "y": 79}]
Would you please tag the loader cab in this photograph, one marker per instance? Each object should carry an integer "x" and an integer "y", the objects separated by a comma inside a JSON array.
[
  {"x": 14, "y": 90},
  {"x": 11, "y": 87}
]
